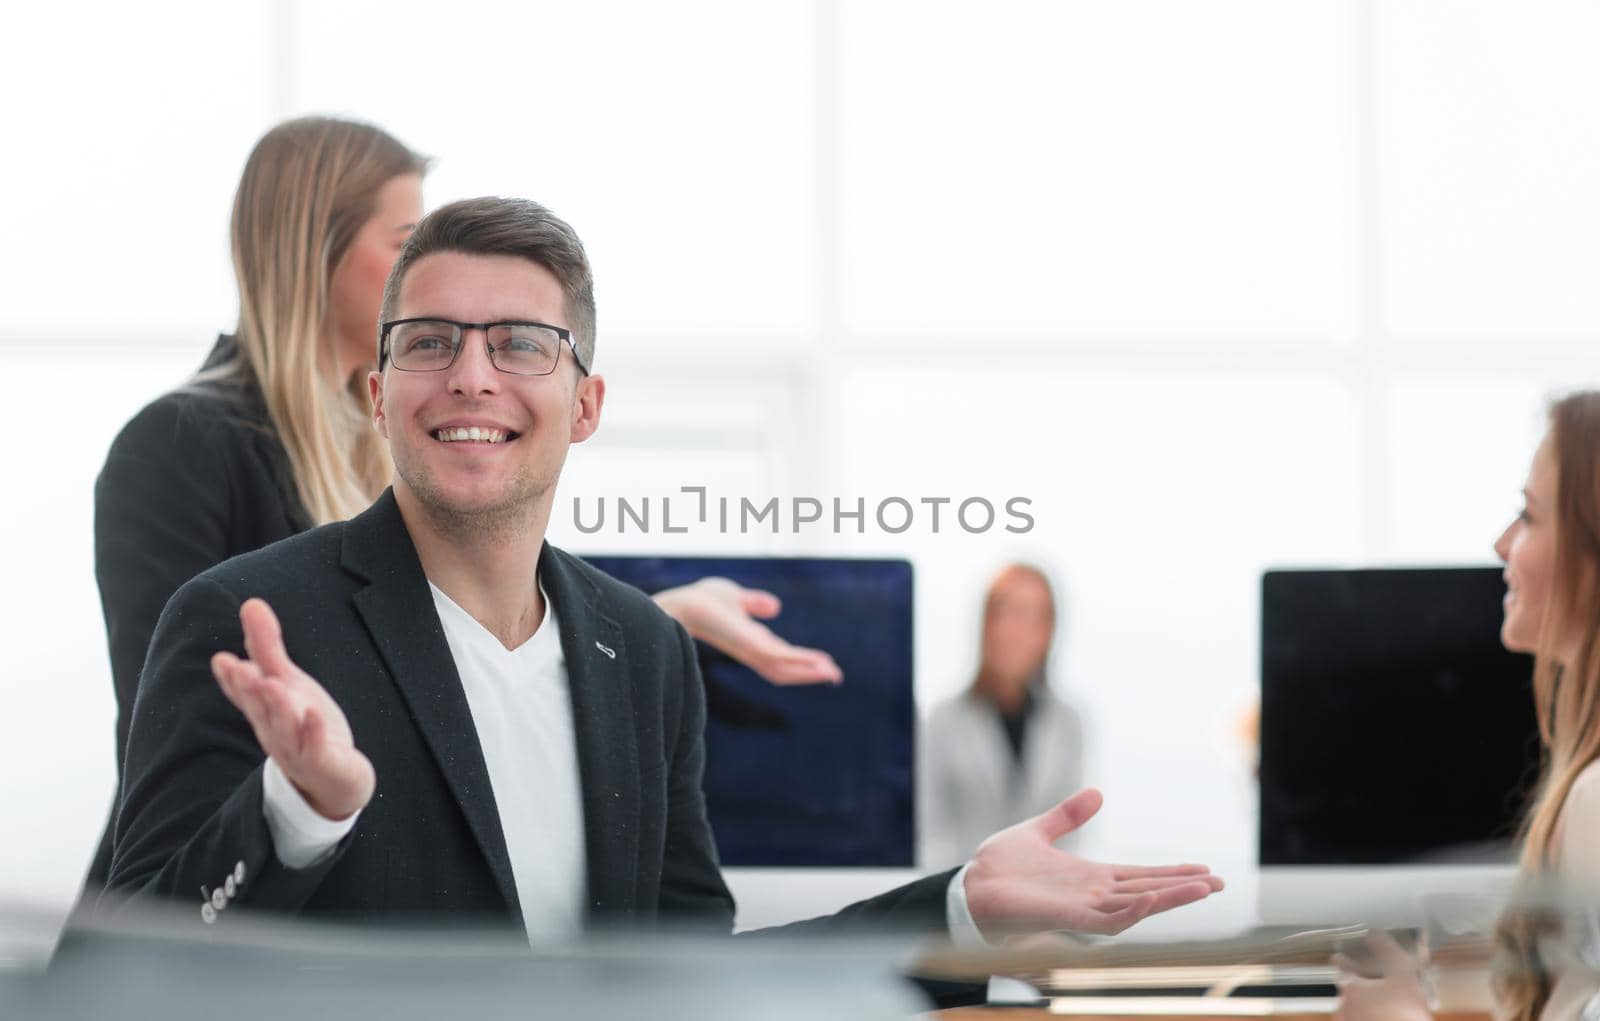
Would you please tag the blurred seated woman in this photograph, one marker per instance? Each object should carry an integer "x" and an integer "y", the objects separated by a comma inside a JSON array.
[{"x": 1003, "y": 750}]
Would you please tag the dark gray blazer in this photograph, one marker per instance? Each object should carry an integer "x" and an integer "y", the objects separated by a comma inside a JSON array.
[
  {"x": 358, "y": 616},
  {"x": 196, "y": 477}
]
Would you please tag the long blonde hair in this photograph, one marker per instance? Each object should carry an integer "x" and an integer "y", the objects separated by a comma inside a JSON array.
[
  {"x": 1566, "y": 684},
  {"x": 307, "y": 189}
]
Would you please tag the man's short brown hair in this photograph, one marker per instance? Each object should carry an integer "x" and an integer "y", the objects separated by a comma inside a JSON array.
[{"x": 501, "y": 226}]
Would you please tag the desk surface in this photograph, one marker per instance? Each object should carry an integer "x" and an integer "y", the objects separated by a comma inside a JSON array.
[{"x": 1040, "y": 1014}]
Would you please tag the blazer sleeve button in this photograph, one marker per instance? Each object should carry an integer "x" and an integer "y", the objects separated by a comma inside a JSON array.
[{"x": 208, "y": 914}]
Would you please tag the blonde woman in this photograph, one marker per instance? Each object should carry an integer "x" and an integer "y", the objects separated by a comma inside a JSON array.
[
  {"x": 1552, "y": 609},
  {"x": 273, "y": 435}
]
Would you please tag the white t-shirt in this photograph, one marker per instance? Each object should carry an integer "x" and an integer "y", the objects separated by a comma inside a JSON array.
[{"x": 521, "y": 706}]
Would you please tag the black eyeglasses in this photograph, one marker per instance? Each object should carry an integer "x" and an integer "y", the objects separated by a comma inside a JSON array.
[{"x": 520, "y": 348}]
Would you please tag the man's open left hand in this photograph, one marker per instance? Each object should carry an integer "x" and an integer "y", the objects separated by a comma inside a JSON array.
[{"x": 1019, "y": 882}]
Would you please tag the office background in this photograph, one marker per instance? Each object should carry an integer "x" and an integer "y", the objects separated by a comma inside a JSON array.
[{"x": 1215, "y": 286}]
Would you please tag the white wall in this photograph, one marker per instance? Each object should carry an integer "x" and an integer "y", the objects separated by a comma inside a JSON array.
[{"x": 1217, "y": 286}]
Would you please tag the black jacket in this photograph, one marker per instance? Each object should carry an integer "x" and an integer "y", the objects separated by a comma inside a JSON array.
[
  {"x": 357, "y": 615},
  {"x": 196, "y": 477}
]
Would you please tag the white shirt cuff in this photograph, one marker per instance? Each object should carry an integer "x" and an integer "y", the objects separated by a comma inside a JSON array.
[
  {"x": 301, "y": 836},
  {"x": 964, "y": 931}
]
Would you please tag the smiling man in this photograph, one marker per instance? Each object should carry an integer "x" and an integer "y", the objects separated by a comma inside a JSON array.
[{"x": 428, "y": 711}]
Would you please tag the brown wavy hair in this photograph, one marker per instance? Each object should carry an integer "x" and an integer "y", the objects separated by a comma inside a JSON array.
[{"x": 1566, "y": 693}]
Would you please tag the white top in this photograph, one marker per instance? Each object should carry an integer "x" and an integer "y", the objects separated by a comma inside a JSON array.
[
  {"x": 1575, "y": 991},
  {"x": 521, "y": 707},
  {"x": 969, "y": 783}
]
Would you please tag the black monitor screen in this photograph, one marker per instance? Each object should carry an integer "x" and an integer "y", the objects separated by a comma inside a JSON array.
[
  {"x": 808, "y": 775},
  {"x": 1394, "y": 726}
]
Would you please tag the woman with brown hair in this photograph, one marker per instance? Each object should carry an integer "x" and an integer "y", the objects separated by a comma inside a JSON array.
[
  {"x": 1004, "y": 749},
  {"x": 1552, "y": 609},
  {"x": 274, "y": 436}
]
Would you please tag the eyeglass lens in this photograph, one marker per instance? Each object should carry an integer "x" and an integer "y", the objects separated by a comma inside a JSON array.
[{"x": 426, "y": 346}]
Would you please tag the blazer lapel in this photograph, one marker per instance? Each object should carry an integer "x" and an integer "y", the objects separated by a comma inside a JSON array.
[
  {"x": 603, "y": 725},
  {"x": 398, "y": 611}
]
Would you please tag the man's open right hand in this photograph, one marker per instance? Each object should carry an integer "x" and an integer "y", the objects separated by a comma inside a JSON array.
[{"x": 297, "y": 723}]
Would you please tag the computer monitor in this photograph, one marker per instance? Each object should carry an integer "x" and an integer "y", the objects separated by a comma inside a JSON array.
[
  {"x": 1398, "y": 740},
  {"x": 815, "y": 775}
]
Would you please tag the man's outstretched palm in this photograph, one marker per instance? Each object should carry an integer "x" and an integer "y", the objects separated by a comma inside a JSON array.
[
  {"x": 295, "y": 720},
  {"x": 1020, "y": 882}
]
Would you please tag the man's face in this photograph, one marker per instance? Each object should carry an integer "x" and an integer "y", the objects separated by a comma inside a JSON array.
[{"x": 525, "y": 423}]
